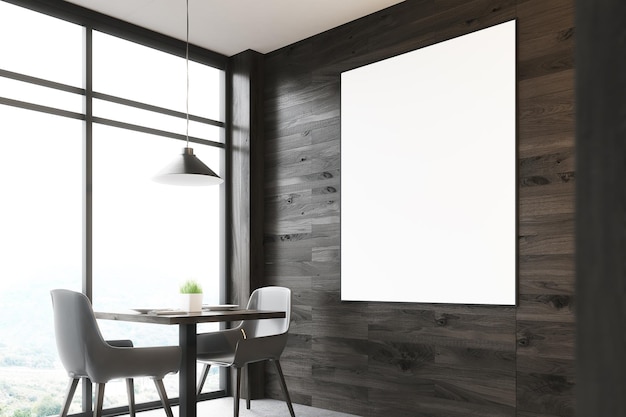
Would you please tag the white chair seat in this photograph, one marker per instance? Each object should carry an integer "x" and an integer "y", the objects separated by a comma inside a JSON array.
[
  {"x": 85, "y": 354},
  {"x": 251, "y": 341}
]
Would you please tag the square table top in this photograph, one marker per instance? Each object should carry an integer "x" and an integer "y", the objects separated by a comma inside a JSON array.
[{"x": 191, "y": 318}]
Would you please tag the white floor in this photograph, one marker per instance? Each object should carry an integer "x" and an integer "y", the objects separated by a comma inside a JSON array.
[{"x": 223, "y": 407}]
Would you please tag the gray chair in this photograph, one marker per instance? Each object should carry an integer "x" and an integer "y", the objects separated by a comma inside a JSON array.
[
  {"x": 85, "y": 354},
  {"x": 251, "y": 341}
]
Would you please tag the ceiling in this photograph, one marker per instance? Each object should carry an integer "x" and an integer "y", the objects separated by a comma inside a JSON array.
[{"x": 232, "y": 26}]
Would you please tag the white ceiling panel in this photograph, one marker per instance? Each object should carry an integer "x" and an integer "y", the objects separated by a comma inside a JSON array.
[{"x": 232, "y": 26}]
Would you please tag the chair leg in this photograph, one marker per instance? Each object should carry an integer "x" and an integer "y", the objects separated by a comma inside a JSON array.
[
  {"x": 284, "y": 387},
  {"x": 163, "y": 395},
  {"x": 130, "y": 389},
  {"x": 99, "y": 400},
  {"x": 203, "y": 376},
  {"x": 71, "y": 389},
  {"x": 237, "y": 392},
  {"x": 248, "y": 391}
]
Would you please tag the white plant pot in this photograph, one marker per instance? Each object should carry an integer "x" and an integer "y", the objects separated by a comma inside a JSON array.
[{"x": 191, "y": 303}]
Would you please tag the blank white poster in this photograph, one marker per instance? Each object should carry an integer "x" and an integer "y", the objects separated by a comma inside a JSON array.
[{"x": 428, "y": 174}]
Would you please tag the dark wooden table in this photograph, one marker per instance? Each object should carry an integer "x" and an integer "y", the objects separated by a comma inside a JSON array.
[{"x": 187, "y": 331}]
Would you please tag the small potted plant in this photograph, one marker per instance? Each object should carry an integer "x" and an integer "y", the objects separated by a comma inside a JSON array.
[{"x": 191, "y": 296}]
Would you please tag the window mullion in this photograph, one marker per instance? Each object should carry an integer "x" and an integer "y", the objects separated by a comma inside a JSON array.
[{"x": 87, "y": 190}]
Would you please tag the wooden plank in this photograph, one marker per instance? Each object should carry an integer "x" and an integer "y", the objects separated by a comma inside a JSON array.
[
  {"x": 546, "y": 366},
  {"x": 547, "y": 394},
  {"x": 554, "y": 307},
  {"x": 545, "y": 199},
  {"x": 408, "y": 366},
  {"x": 303, "y": 182},
  {"x": 545, "y": 339},
  {"x": 325, "y": 254},
  {"x": 552, "y": 113},
  {"x": 306, "y": 112},
  {"x": 291, "y": 253},
  {"x": 303, "y": 395},
  {"x": 311, "y": 158},
  {"x": 311, "y": 211},
  {"x": 534, "y": 45},
  {"x": 547, "y": 168},
  {"x": 290, "y": 269},
  {"x": 549, "y": 126},
  {"x": 522, "y": 413},
  {"x": 546, "y": 234},
  {"x": 481, "y": 376},
  {"x": 557, "y": 82},
  {"x": 545, "y": 142},
  {"x": 547, "y": 64},
  {"x": 461, "y": 17},
  {"x": 301, "y": 320},
  {"x": 540, "y": 17},
  {"x": 294, "y": 360},
  {"x": 328, "y": 193},
  {"x": 339, "y": 320},
  {"x": 327, "y": 243},
  {"x": 400, "y": 403},
  {"x": 397, "y": 29},
  {"x": 446, "y": 327},
  {"x": 295, "y": 62},
  {"x": 487, "y": 360},
  {"x": 398, "y": 324},
  {"x": 276, "y": 143},
  {"x": 339, "y": 360},
  {"x": 476, "y": 386},
  {"x": 550, "y": 106},
  {"x": 545, "y": 386},
  {"x": 546, "y": 274},
  {"x": 301, "y": 317},
  {"x": 349, "y": 397}
]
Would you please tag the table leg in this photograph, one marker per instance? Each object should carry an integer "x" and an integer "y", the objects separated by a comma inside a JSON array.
[{"x": 187, "y": 374}]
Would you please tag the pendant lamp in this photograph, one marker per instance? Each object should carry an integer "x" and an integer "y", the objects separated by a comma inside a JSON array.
[{"x": 187, "y": 169}]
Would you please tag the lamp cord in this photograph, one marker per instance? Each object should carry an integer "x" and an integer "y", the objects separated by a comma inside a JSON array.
[{"x": 187, "y": 70}]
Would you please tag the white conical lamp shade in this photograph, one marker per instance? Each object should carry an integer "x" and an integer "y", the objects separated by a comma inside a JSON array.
[{"x": 187, "y": 169}]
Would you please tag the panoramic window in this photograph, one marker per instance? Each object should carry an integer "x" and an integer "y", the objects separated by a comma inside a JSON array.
[
  {"x": 146, "y": 238},
  {"x": 149, "y": 238},
  {"x": 41, "y": 239}
]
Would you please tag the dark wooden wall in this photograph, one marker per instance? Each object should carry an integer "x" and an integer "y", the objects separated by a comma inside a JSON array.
[
  {"x": 245, "y": 235},
  {"x": 600, "y": 207},
  {"x": 376, "y": 359}
]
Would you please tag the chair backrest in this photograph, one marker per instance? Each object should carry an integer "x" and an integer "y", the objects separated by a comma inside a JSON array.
[
  {"x": 76, "y": 331},
  {"x": 269, "y": 298}
]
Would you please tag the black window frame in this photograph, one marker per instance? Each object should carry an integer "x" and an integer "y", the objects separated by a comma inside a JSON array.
[{"x": 94, "y": 21}]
